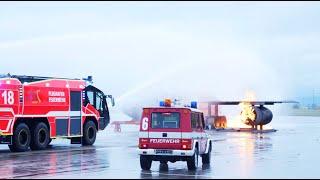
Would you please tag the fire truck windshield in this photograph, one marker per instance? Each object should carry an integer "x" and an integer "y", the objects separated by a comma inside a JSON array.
[{"x": 165, "y": 120}]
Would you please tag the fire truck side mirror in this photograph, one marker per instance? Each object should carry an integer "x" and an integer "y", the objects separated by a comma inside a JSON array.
[{"x": 112, "y": 99}]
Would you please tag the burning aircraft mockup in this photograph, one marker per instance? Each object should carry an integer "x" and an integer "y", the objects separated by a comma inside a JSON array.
[{"x": 253, "y": 113}]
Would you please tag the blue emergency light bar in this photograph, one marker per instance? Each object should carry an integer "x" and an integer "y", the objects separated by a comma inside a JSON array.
[
  {"x": 194, "y": 104},
  {"x": 162, "y": 104}
]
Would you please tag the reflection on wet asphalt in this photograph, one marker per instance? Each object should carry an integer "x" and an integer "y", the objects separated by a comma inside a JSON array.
[{"x": 291, "y": 152}]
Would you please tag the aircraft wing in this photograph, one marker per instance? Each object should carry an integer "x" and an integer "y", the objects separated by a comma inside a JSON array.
[{"x": 250, "y": 102}]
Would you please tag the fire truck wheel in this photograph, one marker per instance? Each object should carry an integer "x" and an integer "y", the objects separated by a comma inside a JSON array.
[
  {"x": 192, "y": 162},
  {"x": 145, "y": 162},
  {"x": 89, "y": 133},
  {"x": 21, "y": 138},
  {"x": 206, "y": 157},
  {"x": 40, "y": 137}
]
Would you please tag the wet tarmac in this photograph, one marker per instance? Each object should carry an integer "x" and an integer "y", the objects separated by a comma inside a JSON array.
[{"x": 291, "y": 152}]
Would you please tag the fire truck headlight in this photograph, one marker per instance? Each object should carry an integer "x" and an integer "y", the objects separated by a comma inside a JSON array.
[
  {"x": 143, "y": 143},
  {"x": 186, "y": 144},
  {"x": 143, "y": 146}
]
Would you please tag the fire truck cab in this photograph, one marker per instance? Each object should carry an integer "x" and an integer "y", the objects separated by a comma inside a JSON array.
[
  {"x": 169, "y": 134},
  {"x": 34, "y": 110}
]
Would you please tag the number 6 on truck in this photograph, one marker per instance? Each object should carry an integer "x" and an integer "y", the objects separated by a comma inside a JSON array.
[{"x": 145, "y": 123}]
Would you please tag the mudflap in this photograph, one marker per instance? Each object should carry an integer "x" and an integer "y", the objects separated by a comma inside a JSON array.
[
  {"x": 76, "y": 140},
  {"x": 6, "y": 140}
]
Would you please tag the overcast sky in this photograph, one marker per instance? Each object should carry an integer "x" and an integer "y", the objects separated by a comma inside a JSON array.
[{"x": 137, "y": 50}]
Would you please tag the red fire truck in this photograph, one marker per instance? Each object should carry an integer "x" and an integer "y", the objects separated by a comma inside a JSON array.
[
  {"x": 34, "y": 110},
  {"x": 173, "y": 133}
]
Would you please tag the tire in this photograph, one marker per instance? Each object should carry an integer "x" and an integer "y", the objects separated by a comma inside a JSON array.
[
  {"x": 164, "y": 166},
  {"x": 89, "y": 133},
  {"x": 192, "y": 161},
  {"x": 207, "y": 157},
  {"x": 40, "y": 137},
  {"x": 21, "y": 138},
  {"x": 145, "y": 162}
]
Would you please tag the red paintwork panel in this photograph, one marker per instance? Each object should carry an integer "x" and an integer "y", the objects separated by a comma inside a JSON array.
[
  {"x": 52, "y": 122},
  {"x": 4, "y": 123},
  {"x": 41, "y": 100}
]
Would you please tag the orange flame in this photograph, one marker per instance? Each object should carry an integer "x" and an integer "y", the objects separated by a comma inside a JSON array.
[{"x": 247, "y": 112}]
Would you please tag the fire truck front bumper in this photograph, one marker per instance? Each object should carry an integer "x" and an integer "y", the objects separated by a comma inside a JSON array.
[{"x": 165, "y": 152}]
